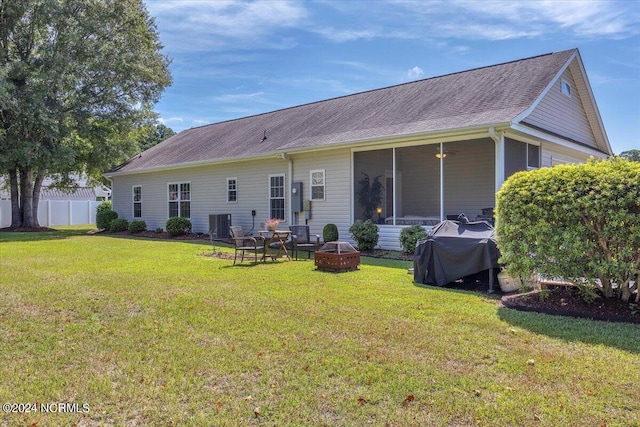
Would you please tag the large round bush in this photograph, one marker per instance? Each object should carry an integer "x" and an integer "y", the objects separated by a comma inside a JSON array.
[
  {"x": 330, "y": 233},
  {"x": 577, "y": 222},
  {"x": 409, "y": 237},
  {"x": 137, "y": 226},
  {"x": 365, "y": 233},
  {"x": 104, "y": 218},
  {"x": 118, "y": 224},
  {"x": 177, "y": 226}
]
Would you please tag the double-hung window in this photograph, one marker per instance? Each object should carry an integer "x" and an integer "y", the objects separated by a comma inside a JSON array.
[
  {"x": 232, "y": 190},
  {"x": 276, "y": 196},
  {"x": 317, "y": 178},
  {"x": 180, "y": 199},
  {"x": 137, "y": 201}
]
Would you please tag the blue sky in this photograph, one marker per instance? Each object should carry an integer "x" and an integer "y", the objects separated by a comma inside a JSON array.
[{"x": 235, "y": 58}]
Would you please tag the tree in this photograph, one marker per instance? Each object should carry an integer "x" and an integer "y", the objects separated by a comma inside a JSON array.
[
  {"x": 152, "y": 133},
  {"x": 577, "y": 222},
  {"x": 75, "y": 78},
  {"x": 633, "y": 155}
]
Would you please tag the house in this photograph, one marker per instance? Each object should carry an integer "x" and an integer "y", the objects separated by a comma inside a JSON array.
[{"x": 439, "y": 146}]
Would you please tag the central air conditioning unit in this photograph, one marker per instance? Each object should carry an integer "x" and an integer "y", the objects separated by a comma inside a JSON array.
[{"x": 219, "y": 226}]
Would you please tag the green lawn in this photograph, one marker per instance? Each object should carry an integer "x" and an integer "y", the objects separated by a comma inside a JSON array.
[{"x": 148, "y": 332}]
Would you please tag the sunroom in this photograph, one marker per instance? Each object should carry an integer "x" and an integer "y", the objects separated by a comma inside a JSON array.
[{"x": 424, "y": 184}]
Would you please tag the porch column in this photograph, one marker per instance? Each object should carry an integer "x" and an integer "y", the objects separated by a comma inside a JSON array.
[
  {"x": 499, "y": 157},
  {"x": 441, "y": 159}
]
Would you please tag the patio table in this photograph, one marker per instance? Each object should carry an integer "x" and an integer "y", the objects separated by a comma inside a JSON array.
[{"x": 277, "y": 238}]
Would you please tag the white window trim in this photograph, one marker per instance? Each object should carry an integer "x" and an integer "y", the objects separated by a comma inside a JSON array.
[
  {"x": 284, "y": 196},
  {"x": 565, "y": 84},
  {"x": 133, "y": 201},
  {"x": 324, "y": 184},
  {"x": 236, "y": 189},
  {"x": 179, "y": 200},
  {"x": 539, "y": 157}
]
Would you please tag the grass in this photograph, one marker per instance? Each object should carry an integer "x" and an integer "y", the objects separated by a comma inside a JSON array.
[{"x": 148, "y": 332}]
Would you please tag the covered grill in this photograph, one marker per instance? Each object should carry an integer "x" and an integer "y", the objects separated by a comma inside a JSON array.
[{"x": 453, "y": 250}]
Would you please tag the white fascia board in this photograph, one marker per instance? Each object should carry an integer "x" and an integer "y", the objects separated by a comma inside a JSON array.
[
  {"x": 594, "y": 106},
  {"x": 537, "y": 137}
]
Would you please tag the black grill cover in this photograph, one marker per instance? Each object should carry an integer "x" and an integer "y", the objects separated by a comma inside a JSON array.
[{"x": 454, "y": 250}]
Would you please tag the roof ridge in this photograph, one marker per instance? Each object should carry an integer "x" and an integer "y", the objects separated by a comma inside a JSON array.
[{"x": 382, "y": 88}]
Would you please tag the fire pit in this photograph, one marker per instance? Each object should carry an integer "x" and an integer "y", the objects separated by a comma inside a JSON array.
[{"x": 336, "y": 257}]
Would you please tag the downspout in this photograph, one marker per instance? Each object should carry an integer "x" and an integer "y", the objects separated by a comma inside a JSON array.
[
  {"x": 395, "y": 193},
  {"x": 110, "y": 197},
  {"x": 441, "y": 182},
  {"x": 292, "y": 219},
  {"x": 498, "y": 138}
]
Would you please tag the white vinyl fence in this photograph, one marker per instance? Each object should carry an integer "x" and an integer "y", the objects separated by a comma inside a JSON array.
[{"x": 56, "y": 212}]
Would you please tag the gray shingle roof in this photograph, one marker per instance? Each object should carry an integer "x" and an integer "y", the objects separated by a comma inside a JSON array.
[{"x": 478, "y": 97}]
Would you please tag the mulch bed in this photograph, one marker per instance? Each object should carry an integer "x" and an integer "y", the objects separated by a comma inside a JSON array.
[
  {"x": 566, "y": 301},
  {"x": 557, "y": 301}
]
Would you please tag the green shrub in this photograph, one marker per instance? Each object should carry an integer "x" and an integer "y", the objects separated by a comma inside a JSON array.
[
  {"x": 118, "y": 224},
  {"x": 330, "y": 233},
  {"x": 365, "y": 233},
  {"x": 159, "y": 230},
  {"x": 104, "y": 206},
  {"x": 409, "y": 237},
  {"x": 137, "y": 226},
  {"x": 177, "y": 226},
  {"x": 104, "y": 218},
  {"x": 573, "y": 222}
]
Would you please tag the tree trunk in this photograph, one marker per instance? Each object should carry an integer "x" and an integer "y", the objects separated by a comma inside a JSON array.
[
  {"x": 37, "y": 186},
  {"x": 16, "y": 208},
  {"x": 625, "y": 290},
  {"x": 26, "y": 197},
  {"x": 607, "y": 289}
]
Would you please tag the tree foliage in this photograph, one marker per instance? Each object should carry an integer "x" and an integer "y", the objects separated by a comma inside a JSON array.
[
  {"x": 631, "y": 155},
  {"x": 577, "y": 222},
  {"x": 75, "y": 78},
  {"x": 151, "y": 133}
]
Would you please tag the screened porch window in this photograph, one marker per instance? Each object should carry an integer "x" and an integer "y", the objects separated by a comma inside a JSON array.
[
  {"x": 533, "y": 156},
  {"x": 419, "y": 185}
]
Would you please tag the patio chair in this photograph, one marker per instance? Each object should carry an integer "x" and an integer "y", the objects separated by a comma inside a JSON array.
[
  {"x": 246, "y": 243},
  {"x": 302, "y": 240}
]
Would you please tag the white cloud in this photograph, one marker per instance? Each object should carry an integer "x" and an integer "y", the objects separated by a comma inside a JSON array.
[
  {"x": 500, "y": 20},
  {"x": 415, "y": 73},
  {"x": 483, "y": 20},
  {"x": 170, "y": 120},
  {"x": 240, "y": 97},
  {"x": 203, "y": 25},
  {"x": 346, "y": 35}
]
